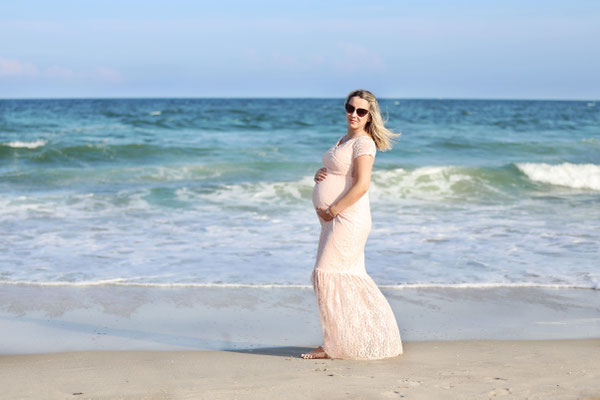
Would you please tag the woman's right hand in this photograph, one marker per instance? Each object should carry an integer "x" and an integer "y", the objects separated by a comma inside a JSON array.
[{"x": 321, "y": 174}]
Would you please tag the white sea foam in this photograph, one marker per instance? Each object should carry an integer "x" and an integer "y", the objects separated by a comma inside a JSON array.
[
  {"x": 255, "y": 194},
  {"x": 123, "y": 282},
  {"x": 577, "y": 176},
  {"x": 590, "y": 140},
  {"x": 155, "y": 112},
  {"x": 432, "y": 182},
  {"x": 28, "y": 145},
  {"x": 265, "y": 234},
  {"x": 423, "y": 183}
]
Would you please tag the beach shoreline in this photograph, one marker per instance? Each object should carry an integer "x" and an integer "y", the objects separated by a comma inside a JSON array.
[
  {"x": 47, "y": 319},
  {"x": 136, "y": 342}
]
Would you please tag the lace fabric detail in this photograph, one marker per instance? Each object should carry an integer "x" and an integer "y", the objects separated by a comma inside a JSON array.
[
  {"x": 363, "y": 145},
  {"x": 357, "y": 321}
]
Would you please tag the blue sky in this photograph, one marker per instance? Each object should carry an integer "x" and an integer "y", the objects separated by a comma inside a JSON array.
[{"x": 403, "y": 49}]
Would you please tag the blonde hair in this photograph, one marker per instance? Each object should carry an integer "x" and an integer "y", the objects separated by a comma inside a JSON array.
[{"x": 381, "y": 135}]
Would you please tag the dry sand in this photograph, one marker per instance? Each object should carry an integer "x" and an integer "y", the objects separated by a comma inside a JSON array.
[{"x": 481, "y": 369}]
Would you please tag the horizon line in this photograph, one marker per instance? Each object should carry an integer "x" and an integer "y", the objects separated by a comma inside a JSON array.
[{"x": 289, "y": 98}]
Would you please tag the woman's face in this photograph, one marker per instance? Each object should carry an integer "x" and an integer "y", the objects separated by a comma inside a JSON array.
[{"x": 355, "y": 122}]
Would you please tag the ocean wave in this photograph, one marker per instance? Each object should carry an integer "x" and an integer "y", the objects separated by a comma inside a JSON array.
[
  {"x": 210, "y": 182},
  {"x": 122, "y": 282},
  {"x": 254, "y": 194},
  {"x": 428, "y": 183},
  {"x": 27, "y": 145},
  {"x": 99, "y": 152},
  {"x": 153, "y": 175},
  {"x": 591, "y": 140},
  {"x": 436, "y": 182},
  {"x": 577, "y": 176}
]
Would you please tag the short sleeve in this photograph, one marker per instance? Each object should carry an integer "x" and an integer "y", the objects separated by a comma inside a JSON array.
[{"x": 364, "y": 146}]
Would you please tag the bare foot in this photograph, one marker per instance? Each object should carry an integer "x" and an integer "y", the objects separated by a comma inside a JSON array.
[{"x": 316, "y": 353}]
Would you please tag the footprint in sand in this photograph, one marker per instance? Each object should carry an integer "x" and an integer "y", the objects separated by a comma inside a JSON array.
[{"x": 407, "y": 383}]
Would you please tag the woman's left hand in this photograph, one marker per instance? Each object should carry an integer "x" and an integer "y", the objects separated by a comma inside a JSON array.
[{"x": 321, "y": 212}]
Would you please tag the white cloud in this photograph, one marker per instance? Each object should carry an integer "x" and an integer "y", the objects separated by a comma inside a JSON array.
[{"x": 15, "y": 68}]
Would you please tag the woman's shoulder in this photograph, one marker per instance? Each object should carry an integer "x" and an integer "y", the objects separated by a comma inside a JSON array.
[
  {"x": 364, "y": 140},
  {"x": 364, "y": 145}
]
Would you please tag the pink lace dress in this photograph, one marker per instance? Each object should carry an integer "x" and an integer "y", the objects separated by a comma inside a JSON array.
[{"x": 357, "y": 321}]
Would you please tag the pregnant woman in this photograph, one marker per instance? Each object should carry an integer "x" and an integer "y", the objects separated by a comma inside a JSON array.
[{"x": 356, "y": 320}]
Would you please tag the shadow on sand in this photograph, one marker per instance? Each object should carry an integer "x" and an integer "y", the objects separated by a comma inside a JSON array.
[{"x": 290, "y": 351}]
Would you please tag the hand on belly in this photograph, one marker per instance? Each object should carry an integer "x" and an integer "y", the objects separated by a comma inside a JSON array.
[{"x": 329, "y": 190}]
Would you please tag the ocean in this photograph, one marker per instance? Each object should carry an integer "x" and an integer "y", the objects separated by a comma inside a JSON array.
[{"x": 217, "y": 192}]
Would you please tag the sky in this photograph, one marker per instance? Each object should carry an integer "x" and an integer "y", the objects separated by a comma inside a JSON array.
[{"x": 221, "y": 48}]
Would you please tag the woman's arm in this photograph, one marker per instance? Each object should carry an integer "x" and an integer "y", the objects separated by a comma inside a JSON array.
[{"x": 363, "y": 166}]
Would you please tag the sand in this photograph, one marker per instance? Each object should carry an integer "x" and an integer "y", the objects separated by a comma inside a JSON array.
[
  {"x": 43, "y": 319},
  {"x": 550, "y": 369},
  {"x": 111, "y": 342}
]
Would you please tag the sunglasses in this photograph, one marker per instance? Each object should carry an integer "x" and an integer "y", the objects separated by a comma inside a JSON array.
[{"x": 361, "y": 112}]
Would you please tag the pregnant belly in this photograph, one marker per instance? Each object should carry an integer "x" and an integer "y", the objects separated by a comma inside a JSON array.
[{"x": 330, "y": 189}]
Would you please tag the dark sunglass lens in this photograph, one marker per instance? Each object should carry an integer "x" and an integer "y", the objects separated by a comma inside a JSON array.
[
  {"x": 349, "y": 108},
  {"x": 361, "y": 112}
]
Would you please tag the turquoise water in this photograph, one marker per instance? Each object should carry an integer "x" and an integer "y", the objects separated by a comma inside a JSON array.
[{"x": 218, "y": 191}]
